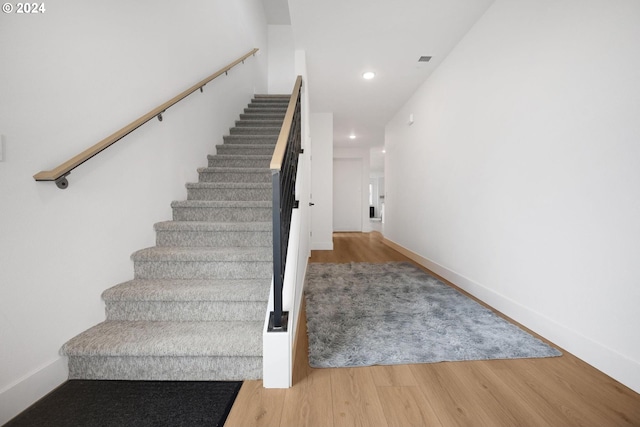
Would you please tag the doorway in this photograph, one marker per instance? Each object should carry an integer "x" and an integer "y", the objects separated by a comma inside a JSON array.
[{"x": 347, "y": 195}]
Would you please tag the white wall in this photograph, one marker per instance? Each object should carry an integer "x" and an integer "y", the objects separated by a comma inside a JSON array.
[
  {"x": 281, "y": 59},
  {"x": 70, "y": 77},
  {"x": 362, "y": 154},
  {"x": 519, "y": 179},
  {"x": 321, "y": 132}
]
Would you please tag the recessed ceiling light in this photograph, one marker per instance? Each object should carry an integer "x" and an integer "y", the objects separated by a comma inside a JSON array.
[
  {"x": 352, "y": 136},
  {"x": 368, "y": 75}
]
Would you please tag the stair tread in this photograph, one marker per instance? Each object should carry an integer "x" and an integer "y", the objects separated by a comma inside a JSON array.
[
  {"x": 259, "y": 104},
  {"x": 220, "y": 204},
  {"x": 212, "y": 226},
  {"x": 267, "y": 109},
  {"x": 272, "y": 96},
  {"x": 260, "y": 146},
  {"x": 190, "y": 290},
  {"x": 258, "y": 128},
  {"x": 251, "y": 136},
  {"x": 261, "y": 122},
  {"x": 166, "y": 338},
  {"x": 261, "y": 140},
  {"x": 234, "y": 185},
  {"x": 240, "y": 156},
  {"x": 253, "y": 115},
  {"x": 204, "y": 254},
  {"x": 280, "y": 112},
  {"x": 233, "y": 169}
]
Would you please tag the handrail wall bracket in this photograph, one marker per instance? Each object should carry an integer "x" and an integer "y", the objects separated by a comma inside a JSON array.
[{"x": 61, "y": 182}]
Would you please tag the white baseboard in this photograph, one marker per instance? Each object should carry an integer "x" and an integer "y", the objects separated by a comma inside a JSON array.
[
  {"x": 607, "y": 360},
  {"x": 322, "y": 246},
  {"x": 23, "y": 393}
]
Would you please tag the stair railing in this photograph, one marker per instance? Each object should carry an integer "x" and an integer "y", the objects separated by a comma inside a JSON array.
[
  {"x": 59, "y": 174},
  {"x": 284, "y": 167}
]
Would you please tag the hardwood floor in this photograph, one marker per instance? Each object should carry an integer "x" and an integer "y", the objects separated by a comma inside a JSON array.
[{"x": 559, "y": 391}]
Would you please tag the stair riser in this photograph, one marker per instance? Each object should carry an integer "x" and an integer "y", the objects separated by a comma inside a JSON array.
[
  {"x": 271, "y": 100},
  {"x": 248, "y": 130},
  {"x": 215, "y": 162},
  {"x": 250, "y": 139},
  {"x": 202, "y": 270},
  {"x": 235, "y": 176},
  {"x": 146, "y": 368},
  {"x": 263, "y": 116},
  {"x": 269, "y": 105},
  {"x": 273, "y": 104},
  {"x": 186, "y": 311},
  {"x": 223, "y": 214},
  {"x": 265, "y": 110},
  {"x": 212, "y": 239},
  {"x": 229, "y": 194},
  {"x": 251, "y": 150},
  {"x": 258, "y": 123}
]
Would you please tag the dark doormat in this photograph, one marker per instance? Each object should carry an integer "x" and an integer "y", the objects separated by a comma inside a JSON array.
[{"x": 90, "y": 403}]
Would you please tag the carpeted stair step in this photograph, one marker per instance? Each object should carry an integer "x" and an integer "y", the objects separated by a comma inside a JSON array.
[
  {"x": 202, "y": 263},
  {"x": 271, "y": 98},
  {"x": 188, "y": 300},
  {"x": 239, "y": 161},
  {"x": 234, "y": 175},
  {"x": 178, "y": 351},
  {"x": 253, "y": 123},
  {"x": 250, "y": 139},
  {"x": 229, "y": 191},
  {"x": 269, "y": 101},
  {"x": 254, "y": 130},
  {"x": 256, "y": 104},
  {"x": 263, "y": 109},
  {"x": 279, "y": 115},
  {"x": 221, "y": 211},
  {"x": 249, "y": 149},
  {"x": 211, "y": 234}
]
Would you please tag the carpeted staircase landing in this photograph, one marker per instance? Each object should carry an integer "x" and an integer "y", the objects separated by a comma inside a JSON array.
[{"x": 195, "y": 308}]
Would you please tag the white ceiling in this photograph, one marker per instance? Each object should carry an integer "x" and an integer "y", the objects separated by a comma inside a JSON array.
[{"x": 344, "y": 38}]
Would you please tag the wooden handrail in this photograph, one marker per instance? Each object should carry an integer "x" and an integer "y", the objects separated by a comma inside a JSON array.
[
  {"x": 59, "y": 173},
  {"x": 281, "y": 144}
]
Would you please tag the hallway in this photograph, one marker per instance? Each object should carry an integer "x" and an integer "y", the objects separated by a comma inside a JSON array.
[{"x": 560, "y": 391}]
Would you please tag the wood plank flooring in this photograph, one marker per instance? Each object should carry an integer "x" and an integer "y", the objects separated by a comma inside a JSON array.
[{"x": 559, "y": 391}]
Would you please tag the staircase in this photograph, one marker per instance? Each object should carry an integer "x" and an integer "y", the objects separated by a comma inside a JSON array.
[{"x": 196, "y": 305}]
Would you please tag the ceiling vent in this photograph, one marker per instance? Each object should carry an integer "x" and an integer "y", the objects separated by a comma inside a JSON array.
[{"x": 424, "y": 59}]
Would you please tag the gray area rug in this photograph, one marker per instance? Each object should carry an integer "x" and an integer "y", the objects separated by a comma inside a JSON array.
[{"x": 363, "y": 314}]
